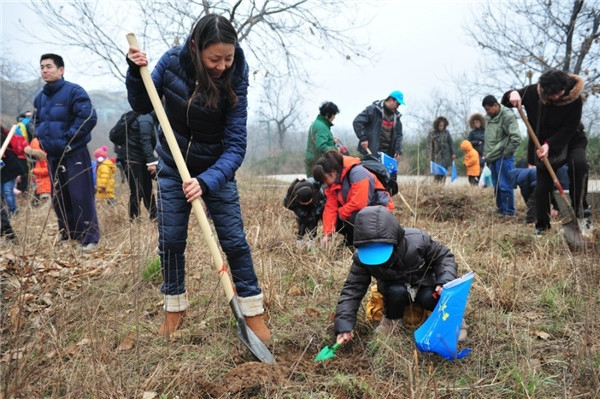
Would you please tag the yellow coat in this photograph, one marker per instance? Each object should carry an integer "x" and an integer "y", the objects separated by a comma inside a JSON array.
[{"x": 105, "y": 179}]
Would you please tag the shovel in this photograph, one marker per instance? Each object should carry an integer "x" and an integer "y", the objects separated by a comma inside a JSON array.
[
  {"x": 327, "y": 353},
  {"x": 571, "y": 227},
  {"x": 256, "y": 346}
]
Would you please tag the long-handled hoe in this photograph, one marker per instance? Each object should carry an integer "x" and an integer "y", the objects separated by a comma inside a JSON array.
[{"x": 244, "y": 333}]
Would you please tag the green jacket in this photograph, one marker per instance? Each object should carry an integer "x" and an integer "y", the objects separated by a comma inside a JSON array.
[
  {"x": 320, "y": 140},
  {"x": 502, "y": 135}
]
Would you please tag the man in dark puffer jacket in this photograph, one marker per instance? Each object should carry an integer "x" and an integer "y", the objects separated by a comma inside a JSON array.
[
  {"x": 64, "y": 119},
  {"x": 408, "y": 264}
]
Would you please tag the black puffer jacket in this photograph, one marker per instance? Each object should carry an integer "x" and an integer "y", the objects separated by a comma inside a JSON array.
[
  {"x": 417, "y": 259},
  {"x": 141, "y": 143}
]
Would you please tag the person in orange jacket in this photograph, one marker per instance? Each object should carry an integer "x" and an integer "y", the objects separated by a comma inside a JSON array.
[
  {"x": 105, "y": 175},
  {"x": 471, "y": 162},
  {"x": 43, "y": 184},
  {"x": 350, "y": 188}
]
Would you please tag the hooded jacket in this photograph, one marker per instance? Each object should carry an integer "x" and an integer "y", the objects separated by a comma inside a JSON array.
[
  {"x": 354, "y": 188},
  {"x": 367, "y": 127},
  {"x": 502, "y": 135},
  {"x": 439, "y": 144},
  {"x": 477, "y": 135},
  {"x": 212, "y": 141},
  {"x": 554, "y": 122},
  {"x": 64, "y": 119},
  {"x": 417, "y": 259},
  {"x": 471, "y": 158}
]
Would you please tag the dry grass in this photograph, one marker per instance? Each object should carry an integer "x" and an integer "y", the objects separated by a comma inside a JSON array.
[{"x": 84, "y": 325}]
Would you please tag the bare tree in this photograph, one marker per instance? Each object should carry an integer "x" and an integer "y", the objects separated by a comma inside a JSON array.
[
  {"x": 278, "y": 34},
  {"x": 20, "y": 83},
  {"x": 526, "y": 37},
  {"x": 280, "y": 108}
]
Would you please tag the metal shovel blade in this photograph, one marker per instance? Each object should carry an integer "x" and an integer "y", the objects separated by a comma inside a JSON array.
[
  {"x": 571, "y": 227},
  {"x": 326, "y": 353},
  {"x": 256, "y": 346}
]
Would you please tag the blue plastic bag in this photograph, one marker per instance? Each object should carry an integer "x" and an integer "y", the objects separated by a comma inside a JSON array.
[
  {"x": 454, "y": 172},
  {"x": 439, "y": 333},
  {"x": 437, "y": 169}
]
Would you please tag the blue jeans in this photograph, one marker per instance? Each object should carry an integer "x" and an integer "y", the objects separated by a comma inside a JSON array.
[
  {"x": 173, "y": 217},
  {"x": 503, "y": 191},
  {"x": 8, "y": 193}
]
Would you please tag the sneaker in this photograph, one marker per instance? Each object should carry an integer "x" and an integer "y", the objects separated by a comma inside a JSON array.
[
  {"x": 388, "y": 326},
  {"x": 88, "y": 247},
  {"x": 462, "y": 335},
  {"x": 540, "y": 231}
]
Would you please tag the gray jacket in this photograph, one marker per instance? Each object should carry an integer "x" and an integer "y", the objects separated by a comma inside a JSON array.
[
  {"x": 367, "y": 127},
  {"x": 417, "y": 260}
]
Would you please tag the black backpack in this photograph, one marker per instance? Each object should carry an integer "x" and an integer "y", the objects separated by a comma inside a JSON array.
[
  {"x": 118, "y": 134},
  {"x": 373, "y": 165}
]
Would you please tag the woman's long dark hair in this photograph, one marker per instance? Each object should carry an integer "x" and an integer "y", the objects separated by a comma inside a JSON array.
[
  {"x": 330, "y": 161},
  {"x": 209, "y": 30}
]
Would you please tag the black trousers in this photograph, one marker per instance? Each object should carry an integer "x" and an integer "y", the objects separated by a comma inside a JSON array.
[
  {"x": 140, "y": 189},
  {"x": 578, "y": 170},
  {"x": 396, "y": 298}
]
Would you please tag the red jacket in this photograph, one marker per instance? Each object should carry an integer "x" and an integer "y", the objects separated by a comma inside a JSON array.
[{"x": 354, "y": 188}]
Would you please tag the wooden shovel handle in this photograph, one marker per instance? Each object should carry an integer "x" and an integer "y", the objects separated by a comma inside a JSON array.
[
  {"x": 185, "y": 174},
  {"x": 539, "y": 147}
]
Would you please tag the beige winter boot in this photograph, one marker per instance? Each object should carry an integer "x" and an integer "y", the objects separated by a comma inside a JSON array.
[
  {"x": 258, "y": 327},
  {"x": 176, "y": 306},
  {"x": 252, "y": 309},
  {"x": 171, "y": 323}
]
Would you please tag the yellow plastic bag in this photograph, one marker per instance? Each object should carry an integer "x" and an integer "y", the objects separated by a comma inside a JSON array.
[{"x": 374, "y": 311}]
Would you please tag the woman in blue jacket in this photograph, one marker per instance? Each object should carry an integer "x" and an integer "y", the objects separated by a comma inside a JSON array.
[{"x": 204, "y": 84}]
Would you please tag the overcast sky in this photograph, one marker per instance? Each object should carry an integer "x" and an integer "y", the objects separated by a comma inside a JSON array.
[{"x": 421, "y": 44}]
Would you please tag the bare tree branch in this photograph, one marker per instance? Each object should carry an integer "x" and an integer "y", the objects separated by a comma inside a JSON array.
[{"x": 526, "y": 37}]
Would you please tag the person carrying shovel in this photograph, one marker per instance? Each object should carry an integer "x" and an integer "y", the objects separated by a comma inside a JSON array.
[
  {"x": 409, "y": 266},
  {"x": 554, "y": 107},
  {"x": 204, "y": 84}
]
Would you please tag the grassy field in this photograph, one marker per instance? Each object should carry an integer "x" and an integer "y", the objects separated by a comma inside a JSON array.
[{"x": 84, "y": 325}]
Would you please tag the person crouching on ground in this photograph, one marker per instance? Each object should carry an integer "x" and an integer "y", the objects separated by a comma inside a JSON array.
[
  {"x": 471, "y": 162},
  {"x": 408, "y": 265},
  {"x": 306, "y": 198},
  {"x": 350, "y": 188},
  {"x": 105, "y": 175}
]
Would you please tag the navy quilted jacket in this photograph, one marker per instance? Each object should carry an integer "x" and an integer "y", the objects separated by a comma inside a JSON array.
[
  {"x": 212, "y": 141},
  {"x": 64, "y": 119}
]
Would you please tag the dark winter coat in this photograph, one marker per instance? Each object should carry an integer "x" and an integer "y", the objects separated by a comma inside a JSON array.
[
  {"x": 477, "y": 136},
  {"x": 64, "y": 119},
  {"x": 417, "y": 260},
  {"x": 212, "y": 141},
  {"x": 440, "y": 146},
  {"x": 554, "y": 122},
  {"x": 367, "y": 127},
  {"x": 307, "y": 216},
  {"x": 141, "y": 141}
]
